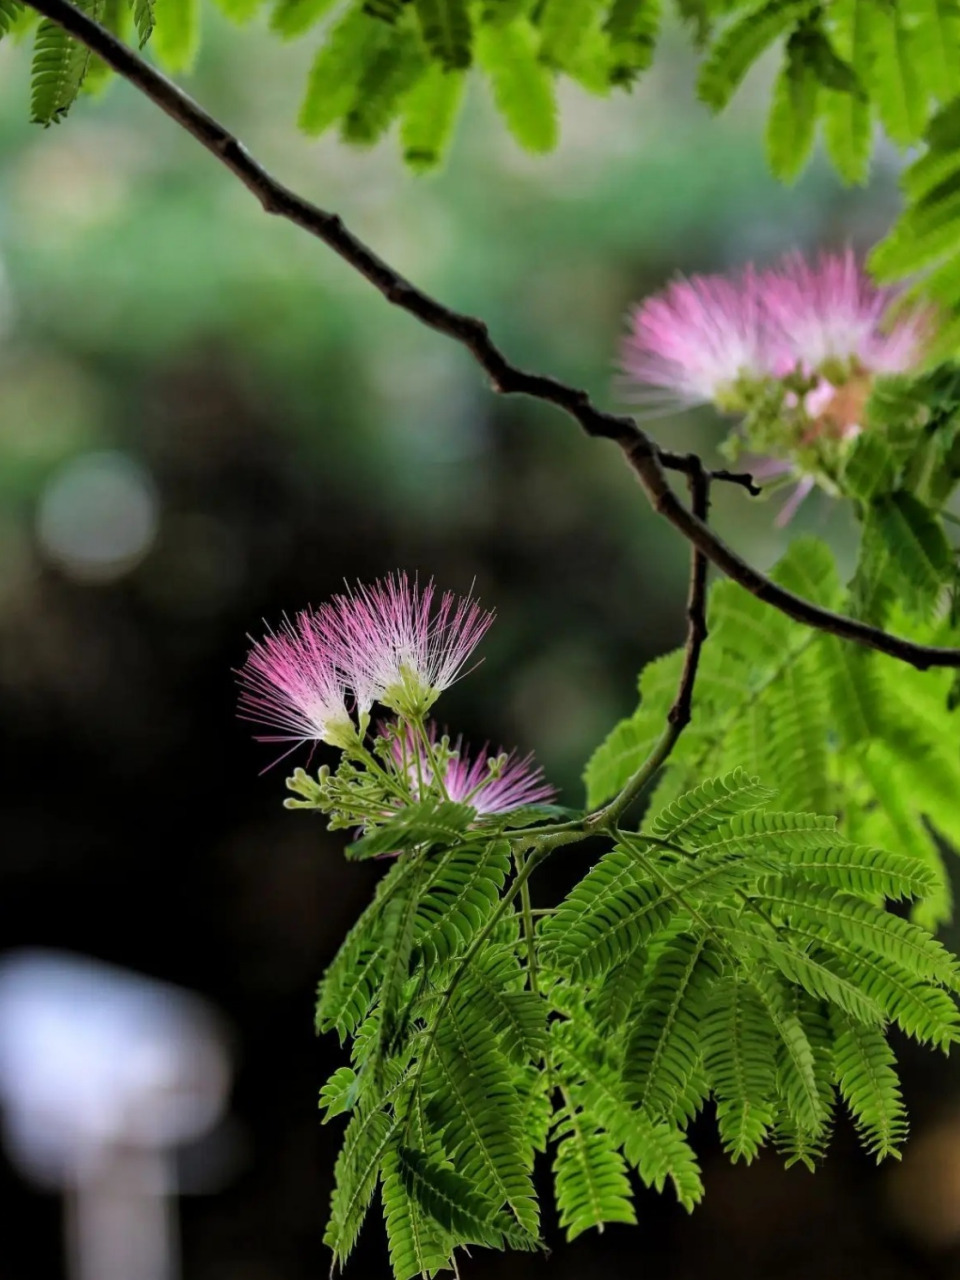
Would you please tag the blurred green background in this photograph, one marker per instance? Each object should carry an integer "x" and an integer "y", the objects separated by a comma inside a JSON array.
[{"x": 206, "y": 419}]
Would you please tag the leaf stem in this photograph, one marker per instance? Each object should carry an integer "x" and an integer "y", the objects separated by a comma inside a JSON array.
[
  {"x": 680, "y": 712},
  {"x": 533, "y": 970}
]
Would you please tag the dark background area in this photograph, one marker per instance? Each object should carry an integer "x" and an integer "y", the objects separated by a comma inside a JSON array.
[{"x": 283, "y": 429}]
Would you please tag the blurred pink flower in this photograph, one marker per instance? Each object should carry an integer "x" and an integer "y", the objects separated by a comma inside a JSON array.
[
  {"x": 697, "y": 338},
  {"x": 396, "y": 645},
  {"x": 833, "y": 312},
  {"x": 291, "y": 682}
]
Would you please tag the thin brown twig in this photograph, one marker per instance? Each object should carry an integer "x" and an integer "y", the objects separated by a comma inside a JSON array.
[
  {"x": 698, "y": 483},
  {"x": 678, "y": 717},
  {"x": 690, "y": 465},
  {"x": 642, "y": 453}
]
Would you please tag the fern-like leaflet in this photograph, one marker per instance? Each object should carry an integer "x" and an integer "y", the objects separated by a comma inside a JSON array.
[{"x": 740, "y": 950}]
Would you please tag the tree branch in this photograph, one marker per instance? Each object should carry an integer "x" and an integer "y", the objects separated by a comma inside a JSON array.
[
  {"x": 646, "y": 459},
  {"x": 678, "y": 717}
]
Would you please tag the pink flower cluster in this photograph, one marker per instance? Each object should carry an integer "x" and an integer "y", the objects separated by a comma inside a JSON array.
[
  {"x": 514, "y": 781},
  {"x": 393, "y": 642},
  {"x": 703, "y": 337},
  {"x": 399, "y": 644}
]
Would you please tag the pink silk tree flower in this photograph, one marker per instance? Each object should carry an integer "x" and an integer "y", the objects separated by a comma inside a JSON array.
[
  {"x": 397, "y": 644},
  {"x": 697, "y": 340},
  {"x": 832, "y": 314},
  {"x": 291, "y": 681},
  {"x": 514, "y": 781}
]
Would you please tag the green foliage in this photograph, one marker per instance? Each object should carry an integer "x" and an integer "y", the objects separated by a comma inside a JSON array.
[
  {"x": 742, "y": 43},
  {"x": 899, "y": 85},
  {"x": 867, "y": 1079},
  {"x": 176, "y": 33},
  {"x": 832, "y": 726},
  {"x": 446, "y": 31},
  {"x": 418, "y": 1243},
  {"x": 522, "y": 87},
  {"x": 59, "y": 65},
  {"x": 350, "y": 48},
  {"x": 429, "y": 822},
  {"x": 632, "y": 27},
  {"x": 590, "y": 1176},
  {"x": 742, "y": 954},
  {"x": 848, "y": 117},
  {"x": 395, "y": 68},
  {"x": 793, "y": 116},
  {"x": 429, "y": 114},
  {"x": 291, "y": 18},
  {"x": 461, "y": 894},
  {"x": 143, "y": 19},
  {"x": 927, "y": 233},
  {"x": 381, "y": 62},
  {"x": 10, "y": 11}
]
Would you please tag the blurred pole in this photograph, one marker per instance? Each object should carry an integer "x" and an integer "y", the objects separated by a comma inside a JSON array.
[
  {"x": 120, "y": 1222},
  {"x": 103, "y": 1074}
]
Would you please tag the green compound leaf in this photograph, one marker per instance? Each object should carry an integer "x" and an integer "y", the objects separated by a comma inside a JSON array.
[
  {"x": 739, "y": 1046},
  {"x": 59, "y": 66},
  {"x": 633, "y": 27},
  {"x": 868, "y": 1082},
  {"x": 449, "y": 1199},
  {"x": 591, "y": 1181},
  {"x": 617, "y": 759},
  {"x": 848, "y": 117},
  {"x": 428, "y": 114},
  {"x": 115, "y": 16},
  {"x": 792, "y": 123},
  {"x": 176, "y": 35},
  {"x": 742, "y": 44},
  {"x": 664, "y": 1049},
  {"x": 563, "y": 25},
  {"x": 936, "y": 38},
  {"x": 10, "y": 11},
  {"x": 291, "y": 18},
  {"x": 460, "y": 894},
  {"x": 357, "y": 1169},
  {"x": 480, "y": 1117},
  {"x": 419, "y": 1245},
  {"x": 838, "y": 918},
  {"x": 613, "y": 910},
  {"x": 428, "y": 823},
  {"x": 390, "y": 73},
  {"x": 917, "y": 546},
  {"x": 519, "y": 1018},
  {"x": 522, "y": 87},
  {"x": 446, "y": 31},
  {"x": 657, "y": 1149},
  {"x": 897, "y": 81},
  {"x": 340, "y": 1093},
  {"x": 696, "y": 815},
  {"x": 143, "y": 19},
  {"x": 349, "y": 47}
]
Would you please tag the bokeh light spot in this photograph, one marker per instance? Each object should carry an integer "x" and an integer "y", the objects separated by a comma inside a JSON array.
[{"x": 98, "y": 516}]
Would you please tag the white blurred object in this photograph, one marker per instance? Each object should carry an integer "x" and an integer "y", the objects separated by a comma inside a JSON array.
[
  {"x": 98, "y": 516},
  {"x": 102, "y": 1075}
]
